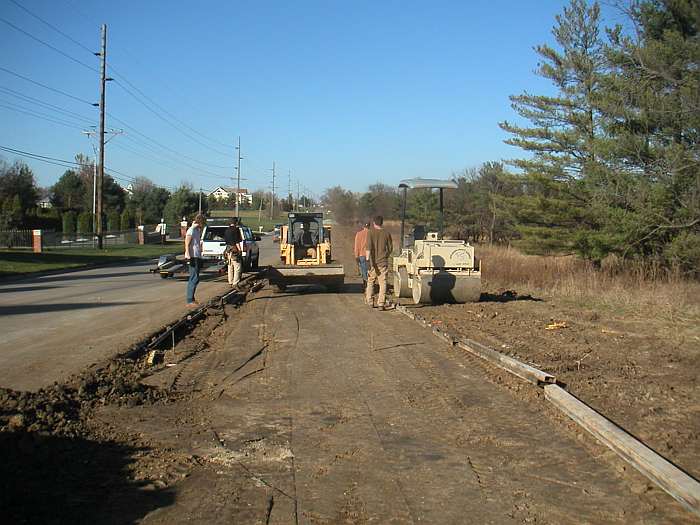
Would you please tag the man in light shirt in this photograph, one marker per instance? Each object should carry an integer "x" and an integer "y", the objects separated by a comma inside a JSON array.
[{"x": 193, "y": 256}]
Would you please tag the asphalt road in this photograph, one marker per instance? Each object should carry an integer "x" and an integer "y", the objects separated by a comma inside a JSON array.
[{"x": 55, "y": 325}]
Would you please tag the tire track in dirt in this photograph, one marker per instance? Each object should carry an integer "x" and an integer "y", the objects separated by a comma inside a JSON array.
[{"x": 492, "y": 445}]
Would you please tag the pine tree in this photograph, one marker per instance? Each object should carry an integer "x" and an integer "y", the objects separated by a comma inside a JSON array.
[
  {"x": 652, "y": 109},
  {"x": 562, "y": 136}
]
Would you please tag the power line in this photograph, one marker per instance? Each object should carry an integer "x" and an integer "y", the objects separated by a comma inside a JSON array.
[
  {"x": 175, "y": 152},
  {"x": 42, "y": 116},
  {"x": 115, "y": 174},
  {"x": 49, "y": 160},
  {"x": 37, "y": 39},
  {"x": 172, "y": 116},
  {"x": 57, "y": 109},
  {"x": 167, "y": 121},
  {"x": 52, "y": 26},
  {"x": 46, "y": 87}
]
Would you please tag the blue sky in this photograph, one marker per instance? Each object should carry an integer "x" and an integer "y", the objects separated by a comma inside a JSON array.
[{"x": 346, "y": 93}]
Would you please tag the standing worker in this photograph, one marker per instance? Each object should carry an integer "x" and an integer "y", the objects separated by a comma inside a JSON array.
[
  {"x": 379, "y": 249},
  {"x": 163, "y": 230},
  {"x": 234, "y": 248},
  {"x": 193, "y": 256},
  {"x": 361, "y": 251}
]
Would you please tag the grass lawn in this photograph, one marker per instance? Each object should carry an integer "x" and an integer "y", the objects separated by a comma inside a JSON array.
[{"x": 24, "y": 261}]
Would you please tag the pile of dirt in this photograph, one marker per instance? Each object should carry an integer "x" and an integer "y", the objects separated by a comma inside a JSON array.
[{"x": 64, "y": 463}]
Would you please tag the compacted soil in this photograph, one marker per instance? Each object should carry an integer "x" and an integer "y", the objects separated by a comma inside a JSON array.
[{"x": 309, "y": 407}]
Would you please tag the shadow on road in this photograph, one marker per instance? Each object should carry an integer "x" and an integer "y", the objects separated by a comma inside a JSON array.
[
  {"x": 25, "y": 309},
  {"x": 51, "y": 479},
  {"x": 27, "y": 289},
  {"x": 506, "y": 297},
  {"x": 101, "y": 274}
]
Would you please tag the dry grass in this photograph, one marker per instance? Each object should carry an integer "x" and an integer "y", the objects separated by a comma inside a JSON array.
[{"x": 641, "y": 289}]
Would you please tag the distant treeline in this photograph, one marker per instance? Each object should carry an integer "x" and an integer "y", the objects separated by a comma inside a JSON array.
[{"x": 611, "y": 161}]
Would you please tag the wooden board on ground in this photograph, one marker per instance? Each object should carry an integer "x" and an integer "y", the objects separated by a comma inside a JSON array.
[
  {"x": 520, "y": 369},
  {"x": 670, "y": 478}
]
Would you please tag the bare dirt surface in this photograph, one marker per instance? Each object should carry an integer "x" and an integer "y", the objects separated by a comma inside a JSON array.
[
  {"x": 311, "y": 408},
  {"x": 643, "y": 372},
  {"x": 307, "y": 407},
  {"x": 637, "y": 373}
]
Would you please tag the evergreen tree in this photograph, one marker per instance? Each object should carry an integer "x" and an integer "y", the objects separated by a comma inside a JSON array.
[
  {"x": 563, "y": 134},
  {"x": 652, "y": 108}
]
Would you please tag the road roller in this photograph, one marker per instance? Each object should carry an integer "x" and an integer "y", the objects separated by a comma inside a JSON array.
[{"x": 434, "y": 269}]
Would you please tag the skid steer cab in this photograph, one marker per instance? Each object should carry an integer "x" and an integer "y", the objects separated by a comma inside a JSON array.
[
  {"x": 305, "y": 254},
  {"x": 435, "y": 269}
]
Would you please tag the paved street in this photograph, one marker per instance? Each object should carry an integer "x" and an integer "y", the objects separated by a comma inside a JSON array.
[{"x": 56, "y": 325}]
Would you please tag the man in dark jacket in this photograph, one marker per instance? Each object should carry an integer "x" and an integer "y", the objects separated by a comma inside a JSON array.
[
  {"x": 379, "y": 249},
  {"x": 234, "y": 248}
]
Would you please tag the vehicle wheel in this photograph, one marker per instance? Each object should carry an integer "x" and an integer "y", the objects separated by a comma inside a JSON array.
[
  {"x": 163, "y": 275},
  {"x": 279, "y": 288},
  {"x": 401, "y": 288},
  {"x": 256, "y": 263}
]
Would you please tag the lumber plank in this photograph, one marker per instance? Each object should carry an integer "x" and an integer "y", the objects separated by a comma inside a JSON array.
[
  {"x": 679, "y": 485},
  {"x": 512, "y": 365}
]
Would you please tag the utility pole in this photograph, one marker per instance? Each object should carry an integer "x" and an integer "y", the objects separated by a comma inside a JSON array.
[
  {"x": 238, "y": 175},
  {"x": 200, "y": 199},
  {"x": 297, "y": 207},
  {"x": 272, "y": 199},
  {"x": 290, "y": 195},
  {"x": 89, "y": 133},
  {"x": 100, "y": 179}
]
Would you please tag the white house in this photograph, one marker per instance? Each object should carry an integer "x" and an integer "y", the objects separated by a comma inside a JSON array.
[{"x": 224, "y": 192}]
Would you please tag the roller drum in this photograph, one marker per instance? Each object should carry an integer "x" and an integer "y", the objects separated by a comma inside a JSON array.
[
  {"x": 401, "y": 288},
  {"x": 445, "y": 287}
]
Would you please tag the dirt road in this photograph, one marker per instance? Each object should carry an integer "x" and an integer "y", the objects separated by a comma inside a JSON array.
[
  {"x": 312, "y": 408},
  {"x": 307, "y": 407}
]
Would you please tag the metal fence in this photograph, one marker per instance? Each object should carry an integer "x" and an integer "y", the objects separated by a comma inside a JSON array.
[
  {"x": 16, "y": 238},
  {"x": 54, "y": 240}
]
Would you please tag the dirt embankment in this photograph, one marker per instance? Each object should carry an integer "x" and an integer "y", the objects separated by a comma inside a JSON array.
[
  {"x": 638, "y": 366},
  {"x": 63, "y": 463}
]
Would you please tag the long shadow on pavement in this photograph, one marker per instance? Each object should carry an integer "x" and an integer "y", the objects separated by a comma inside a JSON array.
[
  {"x": 27, "y": 288},
  {"x": 24, "y": 309},
  {"x": 52, "y": 479}
]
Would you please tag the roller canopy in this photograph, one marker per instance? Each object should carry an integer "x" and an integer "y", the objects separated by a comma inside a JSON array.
[{"x": 427, "y": 183}]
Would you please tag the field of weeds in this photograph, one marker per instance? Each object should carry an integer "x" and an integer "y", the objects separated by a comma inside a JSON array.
[{"x": 639, "y": 290}]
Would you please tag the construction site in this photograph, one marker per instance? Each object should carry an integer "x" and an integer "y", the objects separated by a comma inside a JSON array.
[
  {"x": 350, "y": 262},
  {"x": 304, "y": 405}
]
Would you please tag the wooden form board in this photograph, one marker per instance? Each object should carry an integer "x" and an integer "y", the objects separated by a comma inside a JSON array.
[
  {"x": 512, "y": 365},
  {"x": 670, "y": 478}
]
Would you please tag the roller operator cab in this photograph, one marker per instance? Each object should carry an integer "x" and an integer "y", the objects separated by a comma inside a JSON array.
[
  {"x": 434, "y": 269},
  {"x": 305, "y": 254}
]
